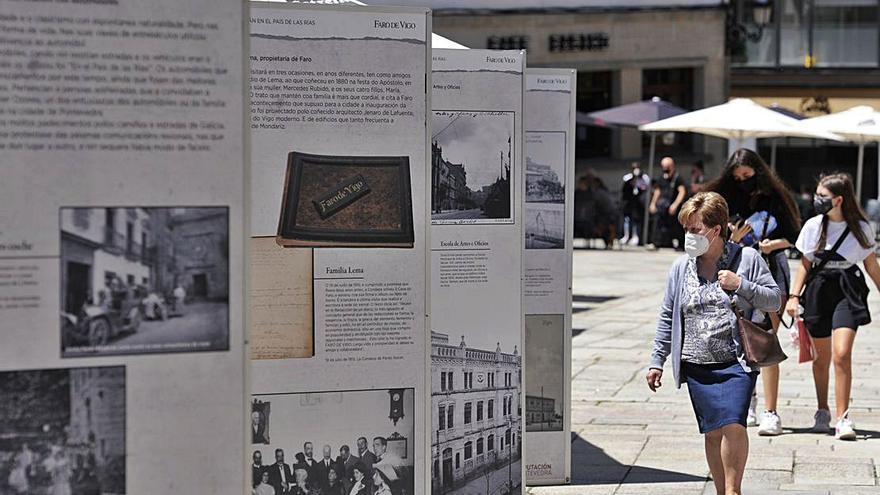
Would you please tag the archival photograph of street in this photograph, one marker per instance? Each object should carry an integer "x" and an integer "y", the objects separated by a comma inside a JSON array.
[
  {"x": 144, "y": 280},
  {"x": 471, "y": 167},
  {"x": 545, "y": 190},
  {"x": 62, "y": 431}
]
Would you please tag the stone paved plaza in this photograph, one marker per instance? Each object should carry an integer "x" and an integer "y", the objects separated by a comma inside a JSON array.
[{"x": 627, "y": 440}]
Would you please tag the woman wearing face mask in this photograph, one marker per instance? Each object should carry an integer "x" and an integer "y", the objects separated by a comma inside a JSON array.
[
  {"x": 698, "y": 327},
  {"x": 754, "y": 192},
  {"x": 835, "y": 298}
]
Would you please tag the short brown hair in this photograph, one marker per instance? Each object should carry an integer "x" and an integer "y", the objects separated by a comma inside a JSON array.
[{"x": 711, "y": 206}]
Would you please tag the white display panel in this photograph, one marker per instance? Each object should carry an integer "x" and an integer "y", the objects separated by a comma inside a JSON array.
[
  {"x": 549, "y": 210},
  {"x": 339, "y": 163},
  {"x": 476, "y": 268},
  {"x": 122, "y": 346}
]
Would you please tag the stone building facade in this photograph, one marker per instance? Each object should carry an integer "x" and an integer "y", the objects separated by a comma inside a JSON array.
[{"x": 476, "y": 411}]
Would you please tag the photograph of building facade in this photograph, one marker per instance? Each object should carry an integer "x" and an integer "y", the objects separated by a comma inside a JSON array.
[
  {"x": 542, "y": 183},
  {"x": 97, "y": 420},
  {"x": 137, "y": 276},
  {"x": 449, "y": 184},
  {"x": 476, "y": 418},
  {"x": 541, "y": 414}
]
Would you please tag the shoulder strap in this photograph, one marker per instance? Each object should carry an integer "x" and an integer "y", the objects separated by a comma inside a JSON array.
[
  {"x": 834, "y": 249},
  {"x": 825, "y": 259}
]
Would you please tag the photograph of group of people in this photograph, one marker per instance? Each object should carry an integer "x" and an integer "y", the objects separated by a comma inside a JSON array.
[
  {"x": 368, "y": 453},
  {"x": 62, "y": 431}
]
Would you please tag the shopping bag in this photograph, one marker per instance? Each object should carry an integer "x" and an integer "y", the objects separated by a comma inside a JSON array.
[{"x": 805, "y": 347}]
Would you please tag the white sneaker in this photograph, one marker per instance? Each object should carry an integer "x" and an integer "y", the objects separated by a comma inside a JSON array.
[
  {"x": 845, "y": 428},
  {"x": 634, "y": 241},
  {"x": 752, "y": 418},
  {"x": 624, "y": 240},
  {"x": 770, "y": 425},
  {"x": 822, "y": 421}
]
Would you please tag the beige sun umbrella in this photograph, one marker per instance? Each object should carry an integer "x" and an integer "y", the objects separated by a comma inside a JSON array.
[
  {"x": 860, "y": 125},
  {"x": 740, "y": 118}
]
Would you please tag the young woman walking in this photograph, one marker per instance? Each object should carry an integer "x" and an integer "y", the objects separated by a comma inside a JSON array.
[
  {"x": 698, "y": 328},
  {"x": 768, "y": 220},
  {"x": 835, "y": 293}
]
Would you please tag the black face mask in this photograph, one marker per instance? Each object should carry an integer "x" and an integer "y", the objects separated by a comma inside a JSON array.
[
  {"x": 822, "y": 205},
  {"x": 748, "y": 185}
]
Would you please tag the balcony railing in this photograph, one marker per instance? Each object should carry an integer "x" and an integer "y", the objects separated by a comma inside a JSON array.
[
  {"x": 134, "y": 252},
  {"x": 114, "y": 242}
]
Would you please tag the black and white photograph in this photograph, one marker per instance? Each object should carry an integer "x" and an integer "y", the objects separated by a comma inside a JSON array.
[
  {"x": 545, "y": 375},
  {"x": 333, "y": 442},
  {"x": 545, "y": 190},
  {"x": 471, "y": 167},
  {"x": 140, "y": 280},
  {"x": 62, "y": 431},
  {"x": 476, "y": 435},
  {"x": 260, "y": 421}
]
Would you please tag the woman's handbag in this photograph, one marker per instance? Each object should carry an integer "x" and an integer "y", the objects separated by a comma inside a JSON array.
[
  {"x": 805, "y": 343},
  {"x": 760, "y": 343}
]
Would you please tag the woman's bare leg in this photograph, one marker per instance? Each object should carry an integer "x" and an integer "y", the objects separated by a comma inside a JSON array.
[
  {"x": 713, "y": 458},
  {"x": 842, "y": 344},
  {"x": 734, "y": 454},
  {"x": 821, "y": 363}
]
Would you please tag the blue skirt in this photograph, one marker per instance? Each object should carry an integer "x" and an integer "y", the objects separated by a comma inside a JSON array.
[{"x": 720, "y": 393}]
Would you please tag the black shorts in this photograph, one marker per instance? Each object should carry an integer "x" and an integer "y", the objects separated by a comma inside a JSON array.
[{"x": 835, "y": 311}]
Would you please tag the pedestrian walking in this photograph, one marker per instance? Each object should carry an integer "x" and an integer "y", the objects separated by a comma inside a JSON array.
[
  {"x": 667, "y": 197},
  {"x": 767, "y": 219},
  {"x": 698, "y": 177},
  {"x": 632, "y": 199},
  {"x": 698, "y": 327},
  {"x": 835, "y": 293}
]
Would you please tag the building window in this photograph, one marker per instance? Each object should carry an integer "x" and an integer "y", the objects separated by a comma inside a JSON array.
[
  {"x": 479, "y": 446},
  {"x": 507, "y": 437},
  {"x": 490, "y": 443},
  {"x": 467, "y": 412},
  {"x": 442, "y": 381},
  {"x": 457, "y": 460},
  {"x": 449, "y": 416},
  {"x": 480, "y": 411},
  {"x": 490, "y": 409},
  {"x": 81, "y": 218},
  {"x": 449, "y": 381},
  {"x": 442, "y": 418},
  {"x": 468, "y": 450},
  {"x": 129, "y": 238}
]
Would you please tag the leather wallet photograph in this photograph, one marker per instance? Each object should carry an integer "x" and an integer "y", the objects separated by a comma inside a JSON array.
[{"x": 346, "y": 201}]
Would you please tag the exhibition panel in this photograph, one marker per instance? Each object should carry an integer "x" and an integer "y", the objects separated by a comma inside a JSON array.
[
  {"x": 339, "y": 163},
  {"x": 477, "y": 192},
  {"x": 122, "y": 240},
  {"x": 549, "y": 212}
]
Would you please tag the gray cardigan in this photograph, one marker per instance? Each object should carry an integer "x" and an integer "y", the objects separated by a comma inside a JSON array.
[{"x": 757, "y": 291}]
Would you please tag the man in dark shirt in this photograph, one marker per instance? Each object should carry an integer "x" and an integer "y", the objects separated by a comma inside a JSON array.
[{"x": 669, "y": 193}]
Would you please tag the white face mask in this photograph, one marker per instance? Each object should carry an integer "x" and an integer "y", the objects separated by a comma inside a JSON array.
[{"x": 696, "y": 244}]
